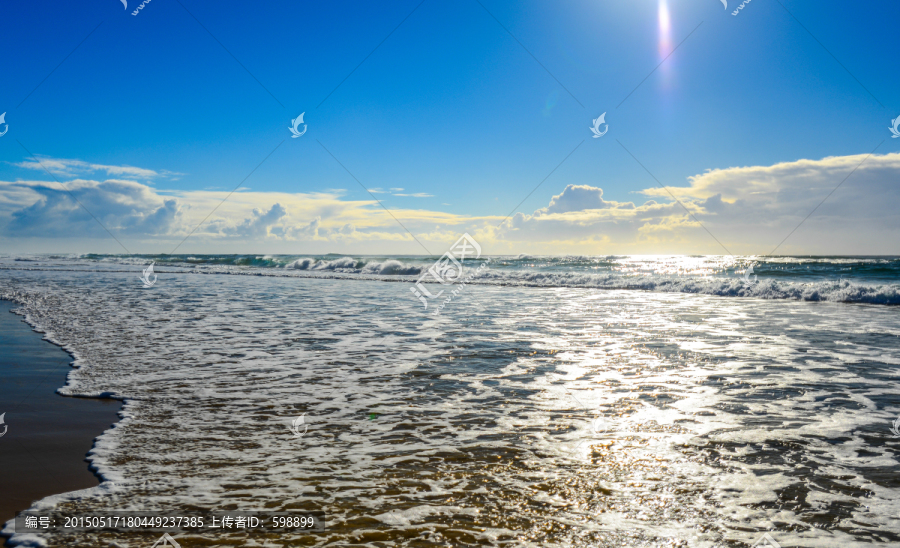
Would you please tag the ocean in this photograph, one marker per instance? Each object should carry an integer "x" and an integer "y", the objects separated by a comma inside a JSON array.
[{"x": 552, "y": 401}]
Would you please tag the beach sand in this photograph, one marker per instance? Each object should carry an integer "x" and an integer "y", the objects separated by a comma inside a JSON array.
[{"x": 48, "y": 435}]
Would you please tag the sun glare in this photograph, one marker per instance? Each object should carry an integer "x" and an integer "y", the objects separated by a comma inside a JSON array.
[{"x": 665, "y": 38}]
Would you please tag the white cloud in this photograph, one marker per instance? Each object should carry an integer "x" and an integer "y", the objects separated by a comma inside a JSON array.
[
  {"x": 71, "y": 168},
  {"x": 416, "y": 195},
  {"x": 396, "y": 192},
  {"x": 310, "y": 230},
  {"x": 260, "y": 223},
  {"x": 749, "y": 209},
  {"x": 58, "y": 212},
  {"x": 580, "y": 198},
  {"x": 133, "y": 210}
]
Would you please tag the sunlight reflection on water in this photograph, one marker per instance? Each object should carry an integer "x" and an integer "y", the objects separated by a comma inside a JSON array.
[{"x": 719, "y": 418}]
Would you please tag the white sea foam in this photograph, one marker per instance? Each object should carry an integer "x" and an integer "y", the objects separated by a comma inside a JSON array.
[
  {"x": 724, "y": 416},
  {"x": 720, "y": 276},
  {"x": 391, "y": 268},
  {"x": 347, "y": 265},
  {"x": 835, "y": 291}
]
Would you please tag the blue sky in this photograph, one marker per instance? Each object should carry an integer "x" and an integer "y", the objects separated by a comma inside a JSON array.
[{"x": 450, "y": 108}]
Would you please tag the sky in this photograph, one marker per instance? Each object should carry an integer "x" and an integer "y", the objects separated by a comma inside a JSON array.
[{"x": 427, "y": 119}]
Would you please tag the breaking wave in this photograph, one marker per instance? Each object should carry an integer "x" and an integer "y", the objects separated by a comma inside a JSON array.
[
  {"x": 871, "y": 280},
  {"x": 390, "y": 267},
  {"x": 840, "y": 291}
]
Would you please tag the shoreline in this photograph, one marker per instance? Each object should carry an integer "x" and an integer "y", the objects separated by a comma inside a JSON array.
[{"x": 48, "y": 435}]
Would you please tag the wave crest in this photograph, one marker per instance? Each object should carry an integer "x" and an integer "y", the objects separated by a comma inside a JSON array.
[
  {"x": 348, "y": 265},
  {"x": 843, "y": 291}
]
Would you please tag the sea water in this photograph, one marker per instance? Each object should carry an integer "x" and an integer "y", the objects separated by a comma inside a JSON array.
[{"x": 576, "y": 401}]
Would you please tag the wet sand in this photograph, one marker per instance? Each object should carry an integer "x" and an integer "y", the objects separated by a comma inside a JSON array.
[{"x": 47, "y": 435}]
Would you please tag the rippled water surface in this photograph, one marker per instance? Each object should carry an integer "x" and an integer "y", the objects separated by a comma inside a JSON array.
[{"x": 521, "y": 416}]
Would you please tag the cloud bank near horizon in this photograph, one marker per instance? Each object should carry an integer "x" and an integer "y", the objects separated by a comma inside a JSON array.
[{"x": 746, "y": 210}]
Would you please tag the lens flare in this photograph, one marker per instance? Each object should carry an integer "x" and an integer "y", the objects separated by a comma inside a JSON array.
[{"x": 665, "y": 38}]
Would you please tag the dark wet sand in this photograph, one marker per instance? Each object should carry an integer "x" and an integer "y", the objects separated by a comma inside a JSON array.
[{"x": 48, "y": 435}]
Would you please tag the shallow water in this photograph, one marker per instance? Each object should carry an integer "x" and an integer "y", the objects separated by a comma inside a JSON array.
[{"x": 523, "y": 415}]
